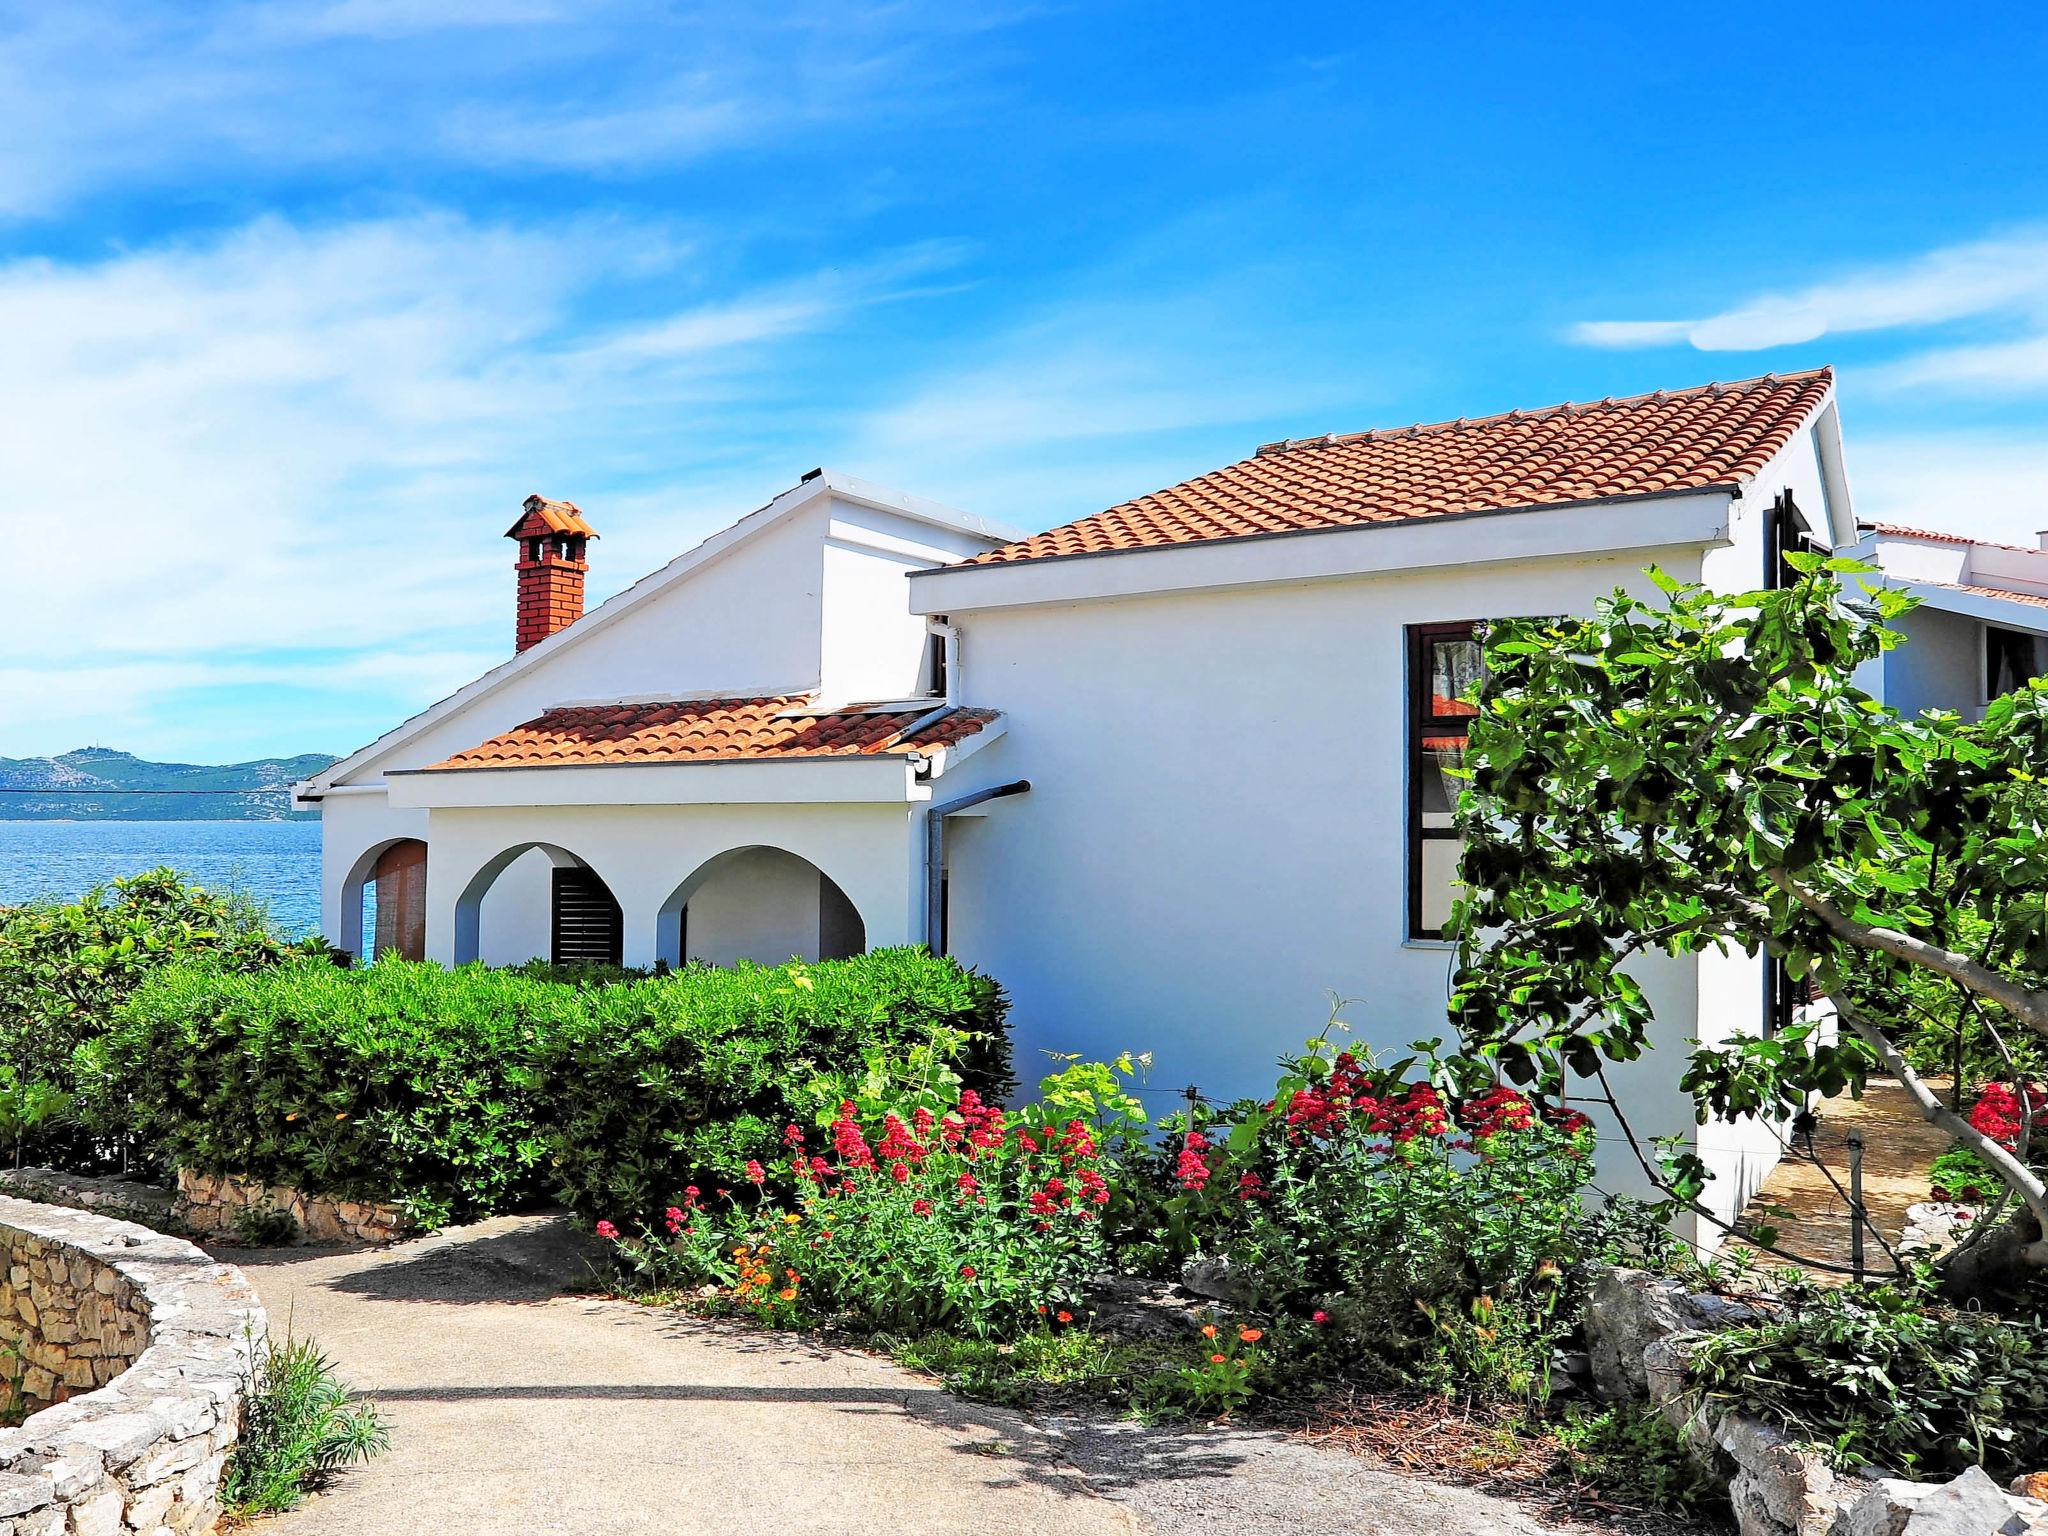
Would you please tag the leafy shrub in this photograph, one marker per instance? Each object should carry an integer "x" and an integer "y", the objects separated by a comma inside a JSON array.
[
  {"x": 1382, "y": 1205},
  {"x": 461, "y": 1092},
  {"x": 1960, "y": 1174},
  {"x": 402, "y": 1081},
  {"x": 1878, "y": 1374},
  {"x": 265, "y": 1226},
  {"x": 2001, "y": 1114},
  {"x": 299, "y": 1424},
  {"x": 1632, "y": 1455},
  {"x": 654, "y": 1085},
  {"x": 65, "y": 967},
  {"x": 947, "y": 1214},
  {"x": 13, "y": 1404}
]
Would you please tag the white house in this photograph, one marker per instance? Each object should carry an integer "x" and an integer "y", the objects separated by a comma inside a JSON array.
[
  {"x": 1170, "y": 772},
  {"x": 1982, "y": 625}
]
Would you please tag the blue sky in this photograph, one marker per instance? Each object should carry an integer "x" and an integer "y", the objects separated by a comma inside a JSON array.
[{"x": 301, "y": 300}]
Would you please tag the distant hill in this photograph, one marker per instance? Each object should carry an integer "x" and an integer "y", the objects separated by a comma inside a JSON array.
[{"x": 98, "y": 784}]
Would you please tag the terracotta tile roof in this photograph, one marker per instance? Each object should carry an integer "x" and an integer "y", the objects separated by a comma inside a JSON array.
[
  {"x": 711, "y": 730},
  {"x": 1717, "y": 434},
  {"x": 2037, "y": 599},
  {"x": 1901, "y": 531},
  {"x": 539, "y": 515}
]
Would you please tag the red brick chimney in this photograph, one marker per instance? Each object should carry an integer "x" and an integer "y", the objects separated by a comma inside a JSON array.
[{"x": 551, "y": 567}]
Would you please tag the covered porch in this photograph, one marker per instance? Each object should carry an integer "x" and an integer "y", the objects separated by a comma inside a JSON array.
[{"x": 715, "y": 831}]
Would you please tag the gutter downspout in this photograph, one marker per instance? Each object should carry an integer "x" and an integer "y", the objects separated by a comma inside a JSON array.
[{"x": 935, "y": 853}]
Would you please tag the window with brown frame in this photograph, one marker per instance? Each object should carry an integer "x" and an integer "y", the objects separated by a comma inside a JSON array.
[{"x": 1446, "y": 663}]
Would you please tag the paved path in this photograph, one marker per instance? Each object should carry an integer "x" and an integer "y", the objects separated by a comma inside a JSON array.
[
  {"x": 1899, "y": 1147},
  {"x": 515, "y": 1409}
]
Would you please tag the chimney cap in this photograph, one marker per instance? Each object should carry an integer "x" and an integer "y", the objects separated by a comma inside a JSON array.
[{"x": 543, "y": 516}]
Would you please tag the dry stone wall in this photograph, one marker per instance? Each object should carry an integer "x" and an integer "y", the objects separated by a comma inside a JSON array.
[
  {"x": 136, "y": 1351},
  {"x": 213, "y": 1203},
  {"x": 1640, "y": 1331}
]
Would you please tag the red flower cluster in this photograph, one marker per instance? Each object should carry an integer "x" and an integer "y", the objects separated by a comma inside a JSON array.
[
  {"x": 1329, "y": 1109},
  {"x": 1418, "y": 1112},
  {"x": 1497, "y": 1109},
  {"x": 1192, "y": 1168},
  {"x": 1566, "y": 1119},
  {"x": 1998, "y": 1113},
  {"x": 847, "y": 1141}
]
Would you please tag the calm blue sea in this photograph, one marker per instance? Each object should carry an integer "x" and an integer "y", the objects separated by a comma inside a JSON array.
[{"x": 276, "y": 861}]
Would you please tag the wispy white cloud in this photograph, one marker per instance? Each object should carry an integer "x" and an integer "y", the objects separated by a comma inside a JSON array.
[
  {"x": 297, "y": 439},
  {"x": 1993, "y": 368},
  {"x": 2006, "y": 276},
  {"x": 107, "y": 93}
]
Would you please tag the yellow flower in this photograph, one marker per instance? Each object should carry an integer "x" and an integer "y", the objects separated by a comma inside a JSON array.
[
  {"x": 791, "y": 1219},
  {"x": 790, "y": 1294}
]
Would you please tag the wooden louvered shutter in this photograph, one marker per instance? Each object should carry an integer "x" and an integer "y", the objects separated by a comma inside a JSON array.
[{"x": 588, "y": 929}]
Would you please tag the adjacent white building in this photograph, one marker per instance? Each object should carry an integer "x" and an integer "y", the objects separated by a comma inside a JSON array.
[
  {"x": 1981, "y": 627},
  {"x": 1171, "y": 772}
]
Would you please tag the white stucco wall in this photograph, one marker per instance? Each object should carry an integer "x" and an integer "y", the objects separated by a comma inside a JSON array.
[
  {"x": 354, "y": 829},
  {"x": 648, "y": 855},
  {"x": 518, "y": 914},
  {"x": 1214, "y": 841},
  {"x": 814, "y": 598},
  {"x": 761, "y": 904},
  {"x": 1940, "y": 665}
]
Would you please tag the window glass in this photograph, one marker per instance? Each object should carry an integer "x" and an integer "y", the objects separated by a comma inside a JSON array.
[
  {"x": 1446, "y": 668},
  {"x": 2011, "y": 660}
]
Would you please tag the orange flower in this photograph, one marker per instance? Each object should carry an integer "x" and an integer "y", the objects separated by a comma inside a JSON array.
[
  {"x": 1216, "y": 1359},
  {"x": 1208, "y": 1330},
  {"x": 1250, "y": 1335},
  {"x": 789, "y": 1295},
  {"x": 1066, "y": 1317}
]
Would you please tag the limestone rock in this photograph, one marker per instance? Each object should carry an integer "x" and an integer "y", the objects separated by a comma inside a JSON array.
[
  {"x": 1144, "y": 1309},
  {"x": 1217, "y": 1280},
  {"x": 1970, "y": 1505},
  {"x": 1780, "y": 1487},
  {"x": 1628, "y": 1310}
]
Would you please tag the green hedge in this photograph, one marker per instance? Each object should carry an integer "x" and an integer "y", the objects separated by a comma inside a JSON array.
[
  {"x": 467, "y": 1091},
  {"x": 664, "y": 1083},
  {"x": 65, "y": 967}
]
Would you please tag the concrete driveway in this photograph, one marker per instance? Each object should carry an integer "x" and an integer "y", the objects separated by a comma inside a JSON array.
[{"x": 516, "y": 1409}]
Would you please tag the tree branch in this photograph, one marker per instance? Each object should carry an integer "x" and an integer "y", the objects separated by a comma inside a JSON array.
[
  {"x": 1656, "y": 1177},
  {"x": 2030, "y": 1008},
  {"x": 2016, "y": 1175}
]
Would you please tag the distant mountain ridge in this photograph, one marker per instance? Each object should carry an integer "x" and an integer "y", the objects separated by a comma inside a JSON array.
[{"x": 100, "y": 784}]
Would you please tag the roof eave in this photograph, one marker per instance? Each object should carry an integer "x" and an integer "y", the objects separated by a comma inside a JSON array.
[{"x": 1692, "y": 516}]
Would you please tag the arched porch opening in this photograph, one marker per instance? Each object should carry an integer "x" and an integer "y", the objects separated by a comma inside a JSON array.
[
  {"x": 384, "y": 901},
  {"x": 538, "y": 901},
  {"x": 759, "y": 903}
]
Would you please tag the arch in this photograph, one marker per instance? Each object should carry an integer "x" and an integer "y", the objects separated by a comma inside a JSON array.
[
  {"x": 758, "y": 902},
  {"x": 593, "y": 892},
  {"x": 361, "y": 879}
]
